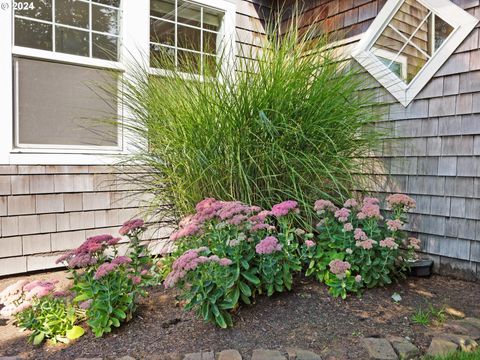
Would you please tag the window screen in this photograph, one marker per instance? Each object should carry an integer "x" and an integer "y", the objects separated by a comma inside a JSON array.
[{"x": 64, "y": 104}]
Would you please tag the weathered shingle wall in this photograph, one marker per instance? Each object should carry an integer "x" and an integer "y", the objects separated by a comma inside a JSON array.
[
  {"x": 433, "y": 153},
  {"x": 48, "y": 209}
]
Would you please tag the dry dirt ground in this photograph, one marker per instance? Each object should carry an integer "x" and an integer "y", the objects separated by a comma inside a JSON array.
[{"x": 307, "y": 317}]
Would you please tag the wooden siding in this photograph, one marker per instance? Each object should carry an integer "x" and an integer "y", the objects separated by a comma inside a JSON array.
[{"x": 433, "y": 153}]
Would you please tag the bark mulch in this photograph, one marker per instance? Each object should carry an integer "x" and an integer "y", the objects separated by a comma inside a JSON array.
[{"x": 307, "y": 317}]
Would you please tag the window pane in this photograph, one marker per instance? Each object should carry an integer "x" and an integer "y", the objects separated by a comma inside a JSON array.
[
  {"x": 71, "y": 41},
  {"x": 209, "y": 65},
  {"x": 211, "y": 19},
  {"x": 188, "y": 62},
  {"x": 162, "y": 57},
  {"x": 71, "y": 12},
  {"x": 188, "y": 38},
  {"x": 104, "y": 19},
  {"x": 105, "y": 47},
  {"x": 409, "y": 17},
  {"x": 210, "y": 42},
  {"x": 389, "y": 41},
  {"x": 164, "y": 9},
  {"x": 162, "y": 32},
  {"x": 115, "y": 3},
  {"x": 188, "y": 13},
  {"x": 42, "y": 9},
  {"x": 71, "y": 110},
  {"x": 414, "y": 61},
  {"x": 33, "y": 34},
  {"x": 442, "y": 31}
]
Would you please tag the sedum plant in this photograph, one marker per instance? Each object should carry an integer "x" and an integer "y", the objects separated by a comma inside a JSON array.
[
  {"x": 48, "y": 314},
  {"x": 228, "y": 252},
  {"x": 357, "y": 247},
  {"x": 290, "y": 124},
  {"x": 108, "y": 285}
]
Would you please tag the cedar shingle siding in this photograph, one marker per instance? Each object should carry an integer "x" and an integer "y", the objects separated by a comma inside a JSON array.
[{"x": 434, "y": 152}]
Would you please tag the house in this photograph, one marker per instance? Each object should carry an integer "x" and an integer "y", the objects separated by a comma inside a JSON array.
[{"x": 422, "y": 59}]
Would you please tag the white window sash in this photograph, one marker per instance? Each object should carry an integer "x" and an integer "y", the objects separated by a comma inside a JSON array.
[{"x": 134, "y": 48}]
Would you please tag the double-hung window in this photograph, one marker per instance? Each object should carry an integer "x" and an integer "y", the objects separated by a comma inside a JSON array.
[
  {"x": 409, "y": 41},
  {"x": 62, "y": 64}
]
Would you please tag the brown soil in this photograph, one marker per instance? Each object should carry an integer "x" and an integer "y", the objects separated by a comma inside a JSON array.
[{"x": 306, "y": 317}]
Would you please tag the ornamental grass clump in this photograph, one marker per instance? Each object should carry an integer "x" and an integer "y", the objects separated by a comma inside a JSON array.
[
  {"x": 356, "y": 246},
  {"x": 290, "y": 124},
  {"x": 228, "y": 252}
]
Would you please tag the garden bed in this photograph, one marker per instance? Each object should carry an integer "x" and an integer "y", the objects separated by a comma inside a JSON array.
[{"x": 307, "y": 317}]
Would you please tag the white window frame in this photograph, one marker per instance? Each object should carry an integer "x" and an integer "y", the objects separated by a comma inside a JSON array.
[
  {"x": 461, "y": 21},
  {"x": 134, "y": 46}
]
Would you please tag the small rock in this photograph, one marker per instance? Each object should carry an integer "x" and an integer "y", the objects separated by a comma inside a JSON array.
[
  {"x": 441, "y": 347},
  {"x": 404, "y": 348},
  {"x": 466, "y": 343},
  {"x": 10, "y": 358},
  {"x": 167, "y": 356},
  {"x": 473, "y": 321},
  {"x": 200, "y": 356},
  {"x": 126, "y": 358},
  {"x": 379, "y": 349},
  {"x": 463, "y": 327},
  {"x": 229, "y": 355},
  {"x": 454, "y": 312},
  {"x": 299, "y": 354},
  {"x": 262, "y": 354},
  {"x": 97, "y": 358}
]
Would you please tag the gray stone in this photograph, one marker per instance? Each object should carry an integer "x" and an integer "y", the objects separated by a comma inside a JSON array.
[
  {"x": 464, "y": 341},
  {"x": 379, "y": 349},
  {"x": 472, "y": 321},
  {"x": 404, "y": 348},
  {"x": 167, "y": 356},
  {"x": 441, "y": 347},
  {"x": 229, "y": 355},
  {"x": 126, "y": 358},
  {"x": 200, "y": 356},
  {"x": 11, "y": 358},
  {"x": 299, "y": 354},
  {"x": 464, "y": 328},
  {"x": 96, "y": 358},
  {"x": 262, "y": 354}
]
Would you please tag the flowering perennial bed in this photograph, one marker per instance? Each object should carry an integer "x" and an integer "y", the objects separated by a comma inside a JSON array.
[{"x": 226, "y": 254}]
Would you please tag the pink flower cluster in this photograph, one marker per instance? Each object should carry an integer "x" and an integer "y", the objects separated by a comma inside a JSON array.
[
  {"x": 232, "y": 212},
  {"x": 348, "y": 227},
  {"x": 85, "y": 254},
  {"x": 365, "y": 244},
  {"x": 401, "y": 201},
  {"x": 131, "y": 226},
  {"x": 19, "y": 296},
  {"x": 350, "y": 203},
  {"x": 389, "y": 243},
  {"x": 284, "y": 208},
  {"x": 394, "y": 225},
  {"x": 339, "y": 267},
  {"x": 190, "y": 260},
  {"x": 413, "y": 243},
  {"x": 309, "y": 243},
  {"x": 324, "y": 205},
  {"x": 359, "y": 234},
  {"x": 342, "y": 214},
  {"x": 107, "y": 267},
  {"x": 370, "y": 209},
  {"x": 268, "y": 245}
]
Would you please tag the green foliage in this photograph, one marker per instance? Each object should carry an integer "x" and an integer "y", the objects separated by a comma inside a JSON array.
[
  {"x": 425, "y": 317},
  {"x": 226, "y": 262},
  {"x": 457, "y": 355},
  {"x": 373, "y": 250},
  {"x": 421, "y": 317},
  {"x": 109, "y": 287},
  {"x": 290, "y": 124},
  {"x": 51, "y": 317}
]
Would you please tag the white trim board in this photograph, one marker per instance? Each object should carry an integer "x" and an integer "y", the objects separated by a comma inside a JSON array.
[{"x": 461, "y": 21}]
